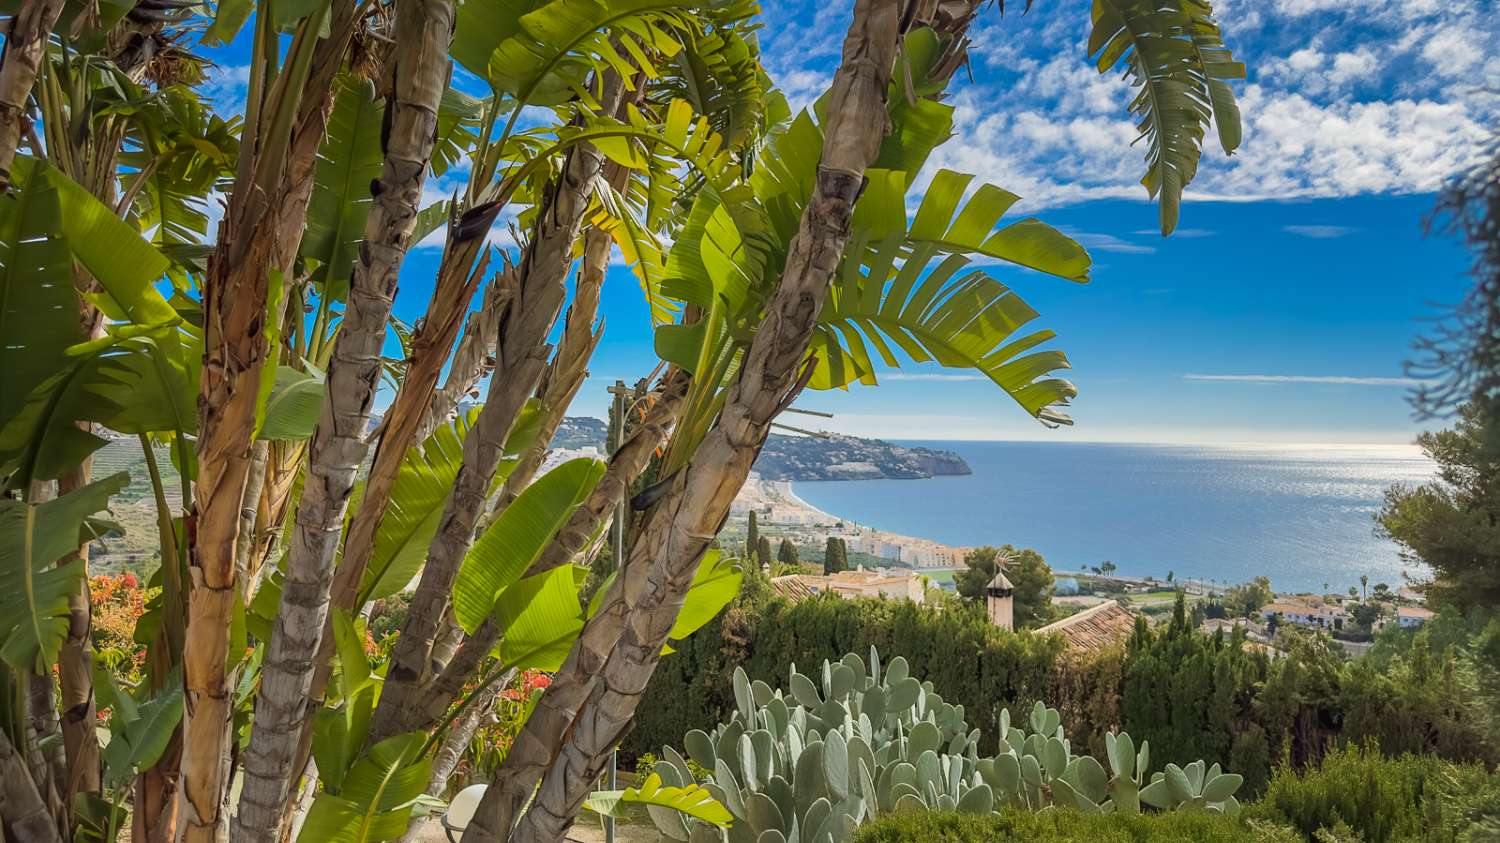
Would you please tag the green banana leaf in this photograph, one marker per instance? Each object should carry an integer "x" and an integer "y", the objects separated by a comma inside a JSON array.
[
  {"x": 376, "y": 797},
  {"x": 693, "y": 800},
  {"x": 513, "y": 542},
  {"x": 34, "y": 602},
  {"x": 420, "y": 494},
  {"x": 348, "y": 161}
]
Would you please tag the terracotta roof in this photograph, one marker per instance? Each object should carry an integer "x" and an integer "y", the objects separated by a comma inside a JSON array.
[
  {"x": 794, "y": 587},
  {"x": 1413, "y": 612},
  {"x": 1288, "y": 609},
  {"x": 1094, "y": 628}
]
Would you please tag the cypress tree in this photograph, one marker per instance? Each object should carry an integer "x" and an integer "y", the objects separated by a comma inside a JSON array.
[
  {"x": 787, "y": 555},
  {"x": 752, "y": 535},
  {"x": 835, "y": 556},
  {"x": 763, "y": 551}
]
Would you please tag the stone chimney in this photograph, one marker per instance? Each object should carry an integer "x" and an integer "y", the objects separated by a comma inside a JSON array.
[{"x": 998, "y": 602}]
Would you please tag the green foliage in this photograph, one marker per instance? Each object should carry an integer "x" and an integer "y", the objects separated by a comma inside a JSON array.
[
  {"x": 1212, "y": 697},
  {"x": 47, "y": 223},
  {"x": 688, "y": 799},
  {"x": 787, "y": 553},
  {"x": 835, "y": 556},
  {"x": 1015, "y": 826},
  {"x": 1404, "y": 798},
  {"x": 376, "y": 798},
  {"x": 1029, "y": 575},
  {"x": 34, "y": 602},
  {"x": 1176, "y": 59},
  {"x": 509, "y": 546},
  {"x": 1451, "y": 522},
  {"x": 766, "y": 637},
  {"x": 348, "y": 161},
  {"x": 1244, "y": 600}
]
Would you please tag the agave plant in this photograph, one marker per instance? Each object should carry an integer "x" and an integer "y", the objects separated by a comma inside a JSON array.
[{"x": 814, "y": 762}]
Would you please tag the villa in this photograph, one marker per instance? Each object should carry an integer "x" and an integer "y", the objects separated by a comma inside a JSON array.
[
  {"x": 1411, "y": 617},
  {"x": 1311, "y": 611}
]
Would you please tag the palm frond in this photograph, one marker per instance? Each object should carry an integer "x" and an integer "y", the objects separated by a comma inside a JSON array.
[{"x": 1176, "y": 58}]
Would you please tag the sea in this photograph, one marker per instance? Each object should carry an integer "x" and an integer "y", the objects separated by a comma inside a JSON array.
[{"x": 1302, "y": 515}]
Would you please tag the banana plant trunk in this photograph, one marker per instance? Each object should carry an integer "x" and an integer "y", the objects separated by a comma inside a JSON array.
[
  {"x": 424, "y": 29},
  {"x": 521, "y": 359},
  {"x": 475, "y": 355},
  {"x": 21, "y": 807},
  {"x": 25, "y": 47},
  {"x": 259, "y": 234},
  {"x": 567, "y": 741},
  {"x": 625, "y": 464}
]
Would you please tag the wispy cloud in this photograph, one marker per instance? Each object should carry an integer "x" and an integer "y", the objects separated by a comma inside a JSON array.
[
  {"x": 918, "y": 376},
  {"x": 1107, "y": 242},
  {"x": 1179, "y": 233},
  {"x": 1346, "y": 380},
  {"x": 1319, "y": 232}
]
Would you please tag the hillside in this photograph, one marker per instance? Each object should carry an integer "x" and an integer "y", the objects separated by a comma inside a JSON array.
[{"x": 808, "y": 458}]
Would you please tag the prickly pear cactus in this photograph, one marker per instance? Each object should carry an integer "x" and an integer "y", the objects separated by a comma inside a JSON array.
[{"x": 810, "y": 764}]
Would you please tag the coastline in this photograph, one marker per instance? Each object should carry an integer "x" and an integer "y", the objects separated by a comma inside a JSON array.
[{"x": 779, "y": 509}]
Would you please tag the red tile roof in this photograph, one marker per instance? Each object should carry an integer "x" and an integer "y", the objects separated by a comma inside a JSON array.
[{"x": 1094, "y": 628}]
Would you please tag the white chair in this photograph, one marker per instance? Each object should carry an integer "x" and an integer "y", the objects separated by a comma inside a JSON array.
[{"x": 461, "y": 810}]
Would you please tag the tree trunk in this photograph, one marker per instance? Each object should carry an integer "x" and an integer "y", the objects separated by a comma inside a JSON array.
[
  {"x": 22, "y": 810},
  {"x": 424, "y": 31},
  {"x": 521, "y": 359},
  {"x": 627, "y": 462},
  {"x": 259, "y": 233},
  {"x": 44, "y": 751},
  {"x": 475, "y": 356},
  {"x": 596, "y": 693},
  {"x": 25, "y": 49},
  {"x": 569, "y": 366},
  {"x": 75, "y": 663}
]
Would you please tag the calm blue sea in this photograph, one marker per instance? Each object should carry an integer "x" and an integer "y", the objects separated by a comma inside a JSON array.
[{"x": 1302, "y": 515}]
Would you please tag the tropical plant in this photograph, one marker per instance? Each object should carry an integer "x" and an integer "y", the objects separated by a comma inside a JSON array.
[
  {"x": 253, "y": 354},
  {"x": 760, "y": 271}
]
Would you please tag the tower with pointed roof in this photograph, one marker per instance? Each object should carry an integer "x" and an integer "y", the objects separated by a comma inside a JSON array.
[{"x": 997, "y": 600}]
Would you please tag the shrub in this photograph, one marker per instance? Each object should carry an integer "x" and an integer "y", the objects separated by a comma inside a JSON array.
[
  {"x": 1358, "y": 793},
  {"x": 1058, "y": 826}
]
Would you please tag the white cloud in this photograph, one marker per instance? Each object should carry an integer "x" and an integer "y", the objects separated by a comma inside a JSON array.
[
  {"x": 226, "y": 86},
  {"x": 1109, "y": 242},
  {"x": 1344, "y": 380},
  {"x": 1345, "y": 97},
  {"x": 1320, "y": 232}
]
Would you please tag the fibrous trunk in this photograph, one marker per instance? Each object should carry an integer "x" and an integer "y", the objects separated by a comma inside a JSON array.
[
  {"x": 21, "y": 807},
  {"x": 424, "y": 30},
  {"x": 25, "y": 47},
  {"x": 566, "y": 741},
  {"x": 521, "y": 357},
  {"x": 625, "y": 464},
  {"x": 259, "y": 235}
]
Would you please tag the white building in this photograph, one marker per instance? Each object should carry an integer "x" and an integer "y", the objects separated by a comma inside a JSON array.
[{"x": 1411, "y": 617}]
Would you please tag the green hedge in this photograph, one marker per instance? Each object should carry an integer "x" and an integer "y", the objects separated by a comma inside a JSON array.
[
  {"x": 1192, "y": 695},
  {"x": 968, "y": 660},
  {"x": 1057, "y": 826},
  {"x": 1411, "y": 799}
]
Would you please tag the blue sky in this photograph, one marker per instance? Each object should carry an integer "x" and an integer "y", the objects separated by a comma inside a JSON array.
[{"x": 1285, "y": 305}]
